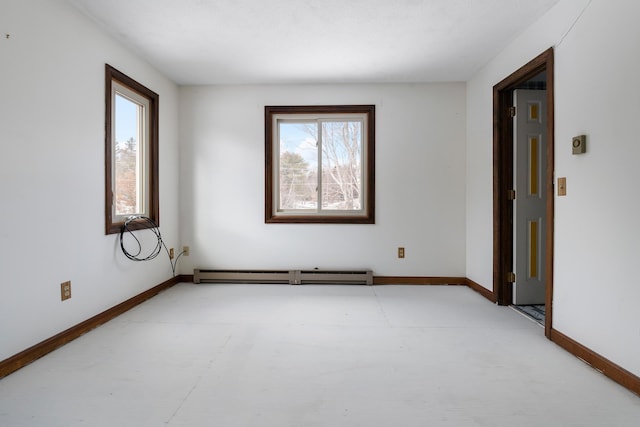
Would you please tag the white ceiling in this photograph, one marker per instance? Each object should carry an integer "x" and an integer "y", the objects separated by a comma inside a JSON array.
[{"x": 197, "y": 42}]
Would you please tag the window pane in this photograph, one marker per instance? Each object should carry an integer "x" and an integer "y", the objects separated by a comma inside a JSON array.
[
  {"x": 341, "y": 165},
  {"x": 127, "y": 166},
  {"x": 298, "y": 165}
]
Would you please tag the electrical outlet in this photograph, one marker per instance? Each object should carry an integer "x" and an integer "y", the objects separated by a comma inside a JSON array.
[
  {"x": 65, "y": 290},
  {"x": 171, "y": 254},
  {"x": 400, "y": 252},
  {"x": 185, "y": 250}
]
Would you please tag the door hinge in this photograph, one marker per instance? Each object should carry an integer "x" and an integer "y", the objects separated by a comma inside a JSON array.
[
  {"x": 512, "y": 111},
  {"x": 511, "y": 194},
  {"x": 511, "y": 277}
]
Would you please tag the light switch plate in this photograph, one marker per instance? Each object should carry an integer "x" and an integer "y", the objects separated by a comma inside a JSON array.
[{"x": 562, "y": 186}]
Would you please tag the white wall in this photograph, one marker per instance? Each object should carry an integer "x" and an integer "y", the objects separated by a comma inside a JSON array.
[
  {"x": 534, "y": 40},
  {"x": 420, "y": 181},
  {"x": 52, "y": 173},
  {"x": 597, "y": 233},
  {"x": 596, "y": 289}
]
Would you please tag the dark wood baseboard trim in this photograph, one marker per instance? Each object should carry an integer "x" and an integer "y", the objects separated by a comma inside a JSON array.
[
  {"x": 186, "y": 278},
  {"x": 598, "y": 362},
  {"x": 482, "y": 290},
  {"x": 35, "y": 352},
  {"x": 410, "y": 280},
  {"x": 460, "y": 281}
]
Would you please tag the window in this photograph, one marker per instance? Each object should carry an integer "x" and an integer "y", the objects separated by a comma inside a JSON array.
[
  {"x": 131, "y": 151},
  {"x": 319, "y": 164}
]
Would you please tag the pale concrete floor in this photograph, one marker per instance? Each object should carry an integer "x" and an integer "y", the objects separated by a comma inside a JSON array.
[{"x": 279, "y": 356}]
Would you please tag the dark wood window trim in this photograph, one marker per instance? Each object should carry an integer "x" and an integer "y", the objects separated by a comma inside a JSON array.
[
  {"x": 114, "y": 225},
  {"x": 368, "y": 216}
]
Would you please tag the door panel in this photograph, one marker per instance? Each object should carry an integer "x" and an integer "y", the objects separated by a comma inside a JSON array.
[{"x": 530, "y": 203}]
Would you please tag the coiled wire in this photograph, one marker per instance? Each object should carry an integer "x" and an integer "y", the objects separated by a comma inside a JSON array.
[{"x": 138, "y": 222}]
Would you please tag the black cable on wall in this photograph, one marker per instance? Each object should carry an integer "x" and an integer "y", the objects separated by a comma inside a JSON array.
[{"x": 137, "y": 255}]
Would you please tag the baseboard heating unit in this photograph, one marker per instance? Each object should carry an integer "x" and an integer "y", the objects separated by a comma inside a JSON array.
[{"x": 291, "y": 277}]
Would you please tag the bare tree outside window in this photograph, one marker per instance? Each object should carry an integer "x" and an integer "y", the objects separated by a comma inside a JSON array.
[{"x": 341, "y": 165}]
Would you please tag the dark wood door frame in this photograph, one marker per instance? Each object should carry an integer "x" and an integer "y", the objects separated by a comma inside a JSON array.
[{"x": 503, "y": 181}]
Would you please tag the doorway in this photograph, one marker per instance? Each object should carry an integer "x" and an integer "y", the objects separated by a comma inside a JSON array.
[{"x": 504, "y": 261}]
